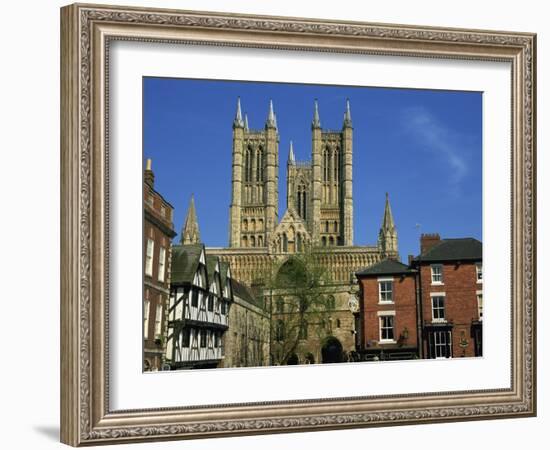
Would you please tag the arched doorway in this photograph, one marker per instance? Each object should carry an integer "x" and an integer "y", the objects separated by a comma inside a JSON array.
[
  {"x": 331, "y": 351},
  {"x": 293, "y": 360}
]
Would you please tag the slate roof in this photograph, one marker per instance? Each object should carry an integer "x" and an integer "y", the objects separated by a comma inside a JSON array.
[
  {"x": 386, "y": 267},
  {"x": 248, "y": 294},
  {"x": 462, "y": 249},
  {"x": 185, "y": 260}
]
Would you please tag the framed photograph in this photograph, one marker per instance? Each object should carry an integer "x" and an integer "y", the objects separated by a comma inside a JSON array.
[{"x": 276, "y": 224}]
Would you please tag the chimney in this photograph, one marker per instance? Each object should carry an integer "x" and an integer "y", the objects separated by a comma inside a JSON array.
[
  {"x": 149, "y": 176},
  {"x": 427, "y": 241}
]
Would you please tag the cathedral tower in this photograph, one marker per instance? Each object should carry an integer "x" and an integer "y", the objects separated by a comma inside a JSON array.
[
  {"x": 254, "y": 195},
  {"x": 332, "y": 178}
]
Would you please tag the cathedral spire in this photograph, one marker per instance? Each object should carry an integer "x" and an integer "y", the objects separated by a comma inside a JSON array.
[
  {"x": 347, "y": 115},
  {"x": 245, "y": 122},
  {"x": 316, "y": 121},
  {"x": 271, "y": 119},
  {"x": 238, "y": 122},
  {"x": 291, "y": 159},
  {"x": 387, "y": 238},
  {"x": 387, "y": 221},
  {"x": 190, "y": 232}
]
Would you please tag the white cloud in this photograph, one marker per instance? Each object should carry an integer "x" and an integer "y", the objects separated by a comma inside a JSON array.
[{"x": 438, "y": 139}]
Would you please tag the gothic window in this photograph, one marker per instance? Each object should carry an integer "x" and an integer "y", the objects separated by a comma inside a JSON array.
[
  {"x": 335, "y": 227},
  {"x": 252, "y": 241},
  {"x": 260, "y": 241},
  {"x": 331, "y": 303},
  {"x": 299, "y": 243},
  {"x": 245, "y": 241},
  {"x": 304, "y": 205},
  {"x": 326, "y": 226},
  {"x": 253, "y": 225},
  {"x": 303, "y": 331},
  {"x": 248, "y": 164},
  {"x": 324, "y": 241},
  {"x": 280, "y": 331},
  {"x": 245, "y": 225},
  {"x": 331, "y": 240},
  {"x": 338, "y": 323},
  {"x": 260, "y": 224},
  {"x": 326, "y": 165},
  {"x": 285, "y": 243},
  {"x": 259, "y": 164},
  {"x": 299, "y": 202},
  {"x": 337, "y": 160}
]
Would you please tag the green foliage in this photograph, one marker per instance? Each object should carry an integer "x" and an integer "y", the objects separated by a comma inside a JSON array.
[{"x": 300, "y": 305}]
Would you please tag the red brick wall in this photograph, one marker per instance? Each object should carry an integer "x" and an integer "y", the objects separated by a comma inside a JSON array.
[
  {"x": 155, "y": 291},
  {"x": 460, "y": 287},
  {"x": 404, "y": 305}
]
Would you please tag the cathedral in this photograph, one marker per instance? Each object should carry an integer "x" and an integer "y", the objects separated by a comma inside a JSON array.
[{"x": 319, "y": 213}]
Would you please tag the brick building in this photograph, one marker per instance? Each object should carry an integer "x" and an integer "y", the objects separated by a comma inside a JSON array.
[
  {"x": 157, "y": 236},
  {"x": 451, "y": 286},
  {"x": 431, "y": 308},
  {"x": 387, "y": 325}
]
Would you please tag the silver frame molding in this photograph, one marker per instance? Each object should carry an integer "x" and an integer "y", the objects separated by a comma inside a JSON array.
[{"x": 86, "y": 31}]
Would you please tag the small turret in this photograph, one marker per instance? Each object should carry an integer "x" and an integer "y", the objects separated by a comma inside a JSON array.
[
  {"x": 190, "y": 232},
  {"x": 271, "y": 121},
  {"x": 347, "y": 116},
  {"x": 316, "y": 123},
  {"x": 291, "y": 158},
  {"x": 238, "y": 122},
  {"x": 387, "y": 237}
]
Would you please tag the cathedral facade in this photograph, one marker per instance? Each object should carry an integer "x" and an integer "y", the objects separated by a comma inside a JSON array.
[{"x": 319, "y": 215}]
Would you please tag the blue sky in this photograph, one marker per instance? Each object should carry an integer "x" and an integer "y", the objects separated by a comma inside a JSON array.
[{"x": 423, "y": 147}]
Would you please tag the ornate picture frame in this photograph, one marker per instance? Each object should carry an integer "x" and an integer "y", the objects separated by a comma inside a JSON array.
[{"x": 86, "y": 34}]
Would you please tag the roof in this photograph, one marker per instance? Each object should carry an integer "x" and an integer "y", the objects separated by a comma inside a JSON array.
[
  {"x": 185, "y": 260},
  {"x": 386, "y": 267},
  {"x": 462, "y": 249},
  {"x": 247, "y": 293}
]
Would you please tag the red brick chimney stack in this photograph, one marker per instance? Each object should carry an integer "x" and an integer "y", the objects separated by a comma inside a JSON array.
[
  {"x": 427, "y": 241},
  {"x": 149, "y": 177}
]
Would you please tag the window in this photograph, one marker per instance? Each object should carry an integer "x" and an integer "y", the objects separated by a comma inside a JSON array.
[
  {"x": 386, "y": 328},
  {"x": 223, "y": 307},
  {"x": 149, "y": 257},
  {"x": 437, "y": 274},
  {"x": 331, "y": 303},
  {"x": 211, "y": 302},
  {"x": 438, "y": 308},
  {"x": 202, "y": 342},
  {"x": 338, "y": 323},
  {"x": 479, "y": 272},
  {"x": 480, "y": 305},
  {"x": 162, "y": 265},
  {"x": 385, "y": 289},
  {"x": 303, "y": 331},
  {"x": 440, "y": 344},
  {"x": 186, "y": 337},
  {"x": 279, "y": 331},
  {"x": 146, "y": 308},
  {"x": 158, "y": 321},
  {"x": 280, "y": 305},
  {"x": 194, "y": 297}
]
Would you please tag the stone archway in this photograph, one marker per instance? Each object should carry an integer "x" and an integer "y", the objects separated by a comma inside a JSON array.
[{"x": 331, "y": 351}]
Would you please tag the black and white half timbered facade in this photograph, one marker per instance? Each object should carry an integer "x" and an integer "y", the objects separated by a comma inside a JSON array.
[{"x": 200, "y": 298}]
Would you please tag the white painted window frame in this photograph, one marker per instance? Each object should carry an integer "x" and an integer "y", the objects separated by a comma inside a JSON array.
[
  {"x": 385, "y": 280},
  {"x": 437, "y": 282},
  {"x": 437, "y": 295},
  {"x": 149, "y": 254}
]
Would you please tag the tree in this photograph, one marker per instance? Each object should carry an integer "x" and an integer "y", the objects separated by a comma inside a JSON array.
[{"x": 300, "y": 305}]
